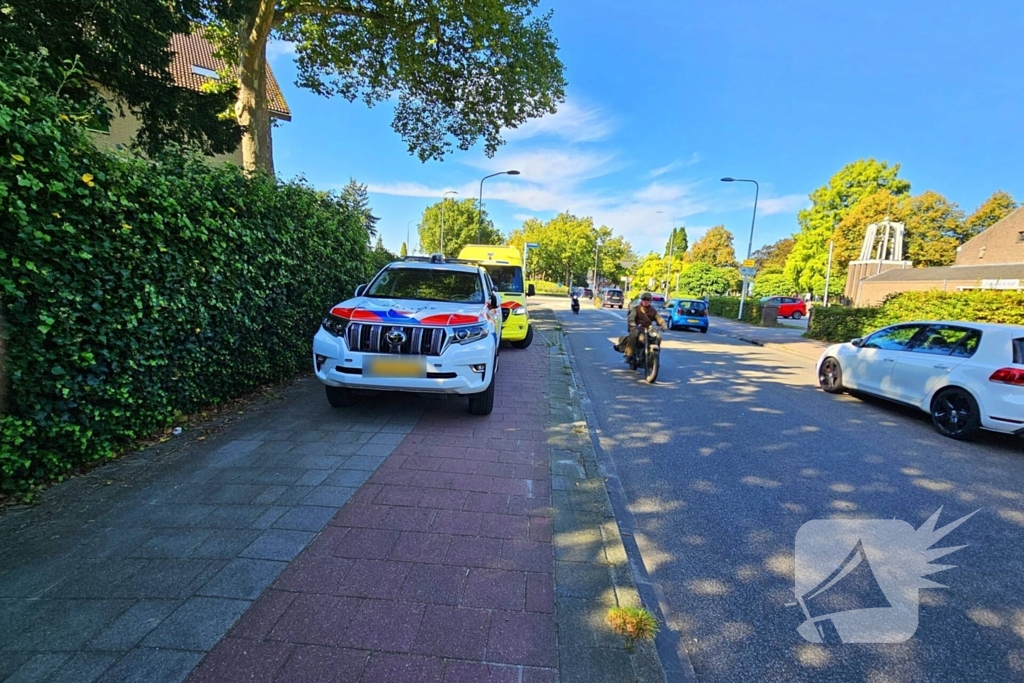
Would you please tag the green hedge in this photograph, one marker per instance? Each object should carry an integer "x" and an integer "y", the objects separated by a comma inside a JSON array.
[
  {"x": 729, "y": 307},
  {"x": 134, "y": 292},
  {"x": 544, "y": 287},
  {"x": 838, "y": 324}
]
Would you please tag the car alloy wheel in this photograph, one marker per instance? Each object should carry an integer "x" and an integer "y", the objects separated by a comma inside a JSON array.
[
  {"x": 955, "y": 414},
  {"x": 830, "y": 376}
]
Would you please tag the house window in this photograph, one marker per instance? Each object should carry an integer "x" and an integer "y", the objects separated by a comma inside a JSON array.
[
  {"x": 1020, "y": 236},
  {"x": 203, "y": 71}
]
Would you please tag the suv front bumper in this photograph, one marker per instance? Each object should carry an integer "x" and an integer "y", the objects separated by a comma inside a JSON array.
[{"x": 450, "y": 373}]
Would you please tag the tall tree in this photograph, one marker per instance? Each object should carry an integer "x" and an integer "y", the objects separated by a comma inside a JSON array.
[
  {"x": 677, "y": 243},
  {"x": 567, "y": 249},
  {"x": 355, "y": 196},
  {"x": 122, "y": 49},
  {"x": 935, "y": 228},
  {"x": 404, "y": 251},
  {"x": 702, "y": 278},
  {"x": 773, "y": 256},
  {"x": 460, "y": 227},
  {"x": 830, "y": 203},
  {"x": 992, "y": 210},
  {"x": 714, "y": 248},
  {"x": 457, "y": 69}
]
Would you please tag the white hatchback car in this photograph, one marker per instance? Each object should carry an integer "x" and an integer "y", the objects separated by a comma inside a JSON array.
[
  {"x": 967, "y": 376},
  {"x": 421, "y": 325}
]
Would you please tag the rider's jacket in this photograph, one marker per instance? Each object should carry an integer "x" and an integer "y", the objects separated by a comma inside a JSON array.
[{"x": 637, "y": 317}]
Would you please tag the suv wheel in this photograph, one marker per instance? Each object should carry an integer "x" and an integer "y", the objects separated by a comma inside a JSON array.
[
  {"x": 483, "y": 403},
  {"x": 340, "y": 397}
]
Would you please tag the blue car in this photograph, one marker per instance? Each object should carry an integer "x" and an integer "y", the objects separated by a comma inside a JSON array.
[{"x": 687, "y": 314}]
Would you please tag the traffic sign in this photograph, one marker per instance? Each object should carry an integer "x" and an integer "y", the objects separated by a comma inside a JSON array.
[
  {"x": 748, "y": 271},
  {"x": 749, "y": 263}
]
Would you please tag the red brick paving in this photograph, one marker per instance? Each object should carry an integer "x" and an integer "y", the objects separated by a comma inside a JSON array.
[{"x": 440, "y": 568}]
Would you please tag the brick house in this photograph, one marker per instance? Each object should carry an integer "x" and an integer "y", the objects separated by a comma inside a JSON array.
[
  {"x": 192, "y": 65},
  {"x": 992, "y": 260}
]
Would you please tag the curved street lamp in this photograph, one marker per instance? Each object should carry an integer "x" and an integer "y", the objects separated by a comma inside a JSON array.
[
  {"x": 440, "y": 246},
  {"x": 750, "y": 244},
  {"x": 480, "y": 200}
]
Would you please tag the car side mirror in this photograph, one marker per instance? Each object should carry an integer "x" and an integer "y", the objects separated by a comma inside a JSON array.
[
  {"x": 494, "y": 300},
  {"x": 360, "y": 289},
  {"x": 531, "y": 290},
  {"x": 857, "y": 342}
]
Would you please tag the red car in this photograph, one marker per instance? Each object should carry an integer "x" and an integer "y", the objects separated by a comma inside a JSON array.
[{"x": 789, "y": 306}]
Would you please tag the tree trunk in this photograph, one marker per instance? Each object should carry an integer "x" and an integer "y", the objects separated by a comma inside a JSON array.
[{"x": 251, "y": 107}]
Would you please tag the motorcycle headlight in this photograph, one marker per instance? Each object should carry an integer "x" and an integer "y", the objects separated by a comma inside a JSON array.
[
  {"x": 469, "y": 333},
  {"x": 334, "y": 325}
]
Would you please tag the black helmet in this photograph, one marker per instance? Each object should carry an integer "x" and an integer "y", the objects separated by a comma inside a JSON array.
[{"x": 646, "y": 296}]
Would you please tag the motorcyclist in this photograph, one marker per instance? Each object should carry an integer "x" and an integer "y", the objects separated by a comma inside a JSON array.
[{"x": 640, "y": 317}]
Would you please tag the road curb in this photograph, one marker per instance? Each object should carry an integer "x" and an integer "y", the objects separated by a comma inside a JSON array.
[{"x": 632, "y": 583}]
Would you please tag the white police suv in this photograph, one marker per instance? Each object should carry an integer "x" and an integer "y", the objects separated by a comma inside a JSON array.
[{"x": 422, "y": 325}]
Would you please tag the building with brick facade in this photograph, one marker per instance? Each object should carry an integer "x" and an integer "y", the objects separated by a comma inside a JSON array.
[{"x": 992, "y": 260}]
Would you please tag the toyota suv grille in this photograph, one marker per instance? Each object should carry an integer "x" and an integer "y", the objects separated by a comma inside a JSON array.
[{"x": 386, "y": 339}]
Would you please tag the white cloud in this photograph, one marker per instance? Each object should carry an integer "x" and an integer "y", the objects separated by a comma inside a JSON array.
[
  {"x": 279, "y": 48},
  {"x": 572, "y": 122},
  {"x": 790, "y": 203},
  {"x": 561, "y": 167},
  {"x": 695, "y": 158}
]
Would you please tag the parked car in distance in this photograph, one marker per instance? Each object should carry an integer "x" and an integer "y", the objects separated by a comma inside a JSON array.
[
  {"x": 588, "y": 292},
  {"x": 967, "y": 376},
  {"x": 689, "y": 314},
  {"x": 611, "y": 297},
  {"x": 789, "y": 306}
]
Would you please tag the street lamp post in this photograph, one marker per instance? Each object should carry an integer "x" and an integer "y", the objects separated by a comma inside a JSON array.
[
  {"x": 750, "y": 243},
  {"x": 444, "y": 197},
  {"x": 407, "y": 236},
  {"x": 480, "y": 200},
  {"x": 671, "y": 253},
  {"x": 597, "y": 250}
]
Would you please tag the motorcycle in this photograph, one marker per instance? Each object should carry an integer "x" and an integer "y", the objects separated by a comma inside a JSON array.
[
  {"x": 575, "y": 304},
  {"x": 648, "y": 353}
]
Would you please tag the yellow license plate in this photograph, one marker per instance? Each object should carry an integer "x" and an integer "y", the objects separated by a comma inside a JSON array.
[
  {"x": 692, "y": 320},
  {"x": 394, "y": 367}
]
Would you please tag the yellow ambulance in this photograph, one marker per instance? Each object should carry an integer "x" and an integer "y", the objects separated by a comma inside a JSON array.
[{"x": 505, "y": 266}]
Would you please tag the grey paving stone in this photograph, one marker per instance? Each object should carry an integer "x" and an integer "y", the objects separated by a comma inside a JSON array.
[
  {"x": 58, "y": 625},
  {"x": 347, "y": 477},
  {"x": 234, "y": 516},
  {"x": 166, "y": 579},
  {"x": 376, "y": 450},
  {"x": 366, "y": 461},
  {"x": 150, "y": 665},
  {"x": 596, "y": 665},
  {"x": 160, "y": 516},
  {"x": 332, "y": 496},
  {"x": 226, "y": 544},
  {"x": 306, "y": 518},
  {"x": 243, "y": 578},
  {"x": 34, "y": 578},
  {"x": 232, "y": 453},
  {"x": 321, "y": 462},
  {"x": 269, "y": 495},
  {"x": 125, "y": 632},
  {"x": 85, "y": 667},
  {"x": 279, "y": 475},
  {"x": 96, "y": 578},
  {"x": 577, "y": 580},
  {"x": 386, "y": 438},
  {"x": 197, "y": 625},
  {"x": 313, "y": 477},
  {"x": 40, "y": 668},
  {"x": 171, "y": 543},
  {"x": 269, "y": 517},
  {"x": 278, "y": 544},
  {"x": 116, "y": 542},
  {"x": 11, "y": 662}
]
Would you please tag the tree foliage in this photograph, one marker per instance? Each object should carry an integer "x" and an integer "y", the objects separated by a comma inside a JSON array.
[
  {"x": 122, "y": 49},
  {"x": 830, "y": 203},
  {"x": 773, "y": 256},
  {"x": 458, "y": 70},
  {"x": 404, "y": 251},
  {"x": 772, "y": 284},
  {"x": 677, "y": 243},
  {"x": 714, "y": 248},
  {"x": 356, "y": 198},
  {"x": 460, "y": 227},
  {"x": 992, "y": 210},
  {"x": 568, "y": 249},
  {"x": 702, "y": 278}
]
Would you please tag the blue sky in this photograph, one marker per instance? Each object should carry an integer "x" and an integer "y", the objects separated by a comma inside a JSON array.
[{"x": 665, "y": 98}]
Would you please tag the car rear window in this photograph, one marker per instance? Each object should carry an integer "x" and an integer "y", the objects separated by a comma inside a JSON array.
[
  {"x": 691, "y": 307},
  {"x": 614, "y": 292},
  {"x": 1018, "y": 351}
]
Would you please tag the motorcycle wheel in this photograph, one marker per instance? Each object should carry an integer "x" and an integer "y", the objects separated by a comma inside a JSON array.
[{"x": 653, "y": 364}]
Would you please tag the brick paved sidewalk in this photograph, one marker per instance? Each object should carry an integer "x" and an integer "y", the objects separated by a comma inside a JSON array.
[{"x": 439, "y": 568}]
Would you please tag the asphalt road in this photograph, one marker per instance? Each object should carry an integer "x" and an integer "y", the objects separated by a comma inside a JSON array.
[{"x": 735, "y": 448}]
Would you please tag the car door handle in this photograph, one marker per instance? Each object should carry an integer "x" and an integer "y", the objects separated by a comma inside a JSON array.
[
  {"x": 941, "y": 367},
  {"x": 889, "y": 360}
]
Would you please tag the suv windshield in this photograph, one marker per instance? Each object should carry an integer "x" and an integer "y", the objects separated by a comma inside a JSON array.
[
  {"x": 428, "y": 284},
  {"x": 507, "y": 278}
]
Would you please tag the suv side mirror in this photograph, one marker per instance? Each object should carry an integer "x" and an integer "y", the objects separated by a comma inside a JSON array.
[
  {"x": 531, "y": 290},
  {"x": 493, "y": 303},
  {"x": 858, "y": 342},
  {"x": 360, "y": 289}
]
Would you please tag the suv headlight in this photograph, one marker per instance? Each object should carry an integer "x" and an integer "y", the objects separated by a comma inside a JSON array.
[
  {"x": 469, "y": 333},
  {"x": 334, "y": 325},
  {"x": 519, "y": 310}
]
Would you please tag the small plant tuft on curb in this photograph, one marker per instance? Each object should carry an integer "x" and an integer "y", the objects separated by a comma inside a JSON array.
[{"x": 633, "y": 624}]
